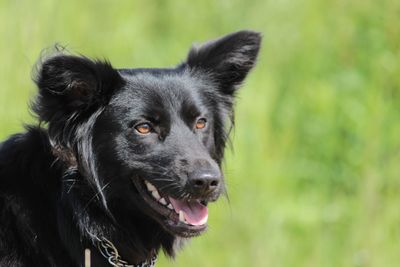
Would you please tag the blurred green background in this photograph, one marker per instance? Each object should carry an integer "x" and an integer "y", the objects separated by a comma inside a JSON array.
[{"x": 314, "y": 176}]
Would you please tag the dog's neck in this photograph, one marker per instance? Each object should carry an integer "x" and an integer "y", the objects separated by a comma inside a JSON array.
[{"x": 137, "y": 238}]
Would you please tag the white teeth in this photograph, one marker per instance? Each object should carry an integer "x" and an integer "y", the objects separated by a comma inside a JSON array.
[
  {"x": 163, "y": 201},
  {"x": 155, "y": 194},
  {"x": 181, "y": 217},
  {"x": 153, "y": 190},
  {"x": 150, "y": 187}
]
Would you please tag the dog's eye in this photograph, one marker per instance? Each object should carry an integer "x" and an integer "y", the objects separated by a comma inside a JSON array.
[
  {"x": 201, "y": 123},
  {"x": 143, "y": 128}
]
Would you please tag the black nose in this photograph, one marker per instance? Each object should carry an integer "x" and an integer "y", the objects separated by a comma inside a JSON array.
[{"x": 204, "y": 181}]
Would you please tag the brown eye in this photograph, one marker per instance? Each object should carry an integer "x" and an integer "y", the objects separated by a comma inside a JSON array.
[
  {"x": 201, "y": 123},
  {"x": 143, "y": 128}
]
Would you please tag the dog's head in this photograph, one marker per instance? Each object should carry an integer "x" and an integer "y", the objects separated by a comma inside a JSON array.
[{"x": 150, "y": 138}]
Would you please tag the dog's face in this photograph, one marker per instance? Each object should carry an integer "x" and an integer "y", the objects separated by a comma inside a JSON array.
[
  {"x": 152, "y": 138},
  {"x": 159, "y": 131}
]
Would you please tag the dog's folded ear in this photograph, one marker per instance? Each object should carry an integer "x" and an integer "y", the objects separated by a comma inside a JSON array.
[
  {"x": 70, "y": 84},
  {"x": 228, "y": 59}
]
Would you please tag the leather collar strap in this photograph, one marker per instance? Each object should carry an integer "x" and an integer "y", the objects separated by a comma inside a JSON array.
[{"x": 110, "y": 252}]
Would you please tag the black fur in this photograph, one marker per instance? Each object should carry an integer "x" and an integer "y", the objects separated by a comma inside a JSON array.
[{"x": 76, "y": 176}]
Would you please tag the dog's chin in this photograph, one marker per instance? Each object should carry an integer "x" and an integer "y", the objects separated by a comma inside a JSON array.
[{"x": 183, "y": 218}]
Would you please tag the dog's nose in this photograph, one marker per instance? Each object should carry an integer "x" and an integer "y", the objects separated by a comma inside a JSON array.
[{"x": 204, "y": 181}]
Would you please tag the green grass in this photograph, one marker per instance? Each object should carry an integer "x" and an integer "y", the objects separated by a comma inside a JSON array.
[{"x": 314, "y": 179}]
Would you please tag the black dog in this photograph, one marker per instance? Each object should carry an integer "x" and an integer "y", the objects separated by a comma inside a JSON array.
[{"x": 123, "y": 162}]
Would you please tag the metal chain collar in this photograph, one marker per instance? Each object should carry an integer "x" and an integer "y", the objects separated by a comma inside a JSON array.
[{"x": 110, "y": 252}]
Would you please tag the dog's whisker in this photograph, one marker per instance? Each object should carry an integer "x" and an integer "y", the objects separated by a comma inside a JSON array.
[
  {"x": 162, "y": 179},
  {"x": 70, "y": 187},
  {"x": 96, "y": 195},
  {"x": 170, "y": 187},
  {"x": 70, "y": 180}
]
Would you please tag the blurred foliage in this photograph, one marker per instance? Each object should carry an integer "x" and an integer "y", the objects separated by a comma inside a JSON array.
[{"x": 314, "y": 176}]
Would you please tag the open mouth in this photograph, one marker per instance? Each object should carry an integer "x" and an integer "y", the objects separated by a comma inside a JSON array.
[{"x": 184, "y": 217}]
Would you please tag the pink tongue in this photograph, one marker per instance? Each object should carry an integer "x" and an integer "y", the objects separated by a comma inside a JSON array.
[{"x": 194, "y": 212}]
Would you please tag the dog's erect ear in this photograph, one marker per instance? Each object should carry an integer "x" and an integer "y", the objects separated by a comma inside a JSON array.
[
  {"x": 228, "y": 59},
  {"x": 70, "y": 84}
]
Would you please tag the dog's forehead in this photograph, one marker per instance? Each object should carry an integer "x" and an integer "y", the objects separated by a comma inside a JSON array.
[{"x": 170, "y": 90}]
